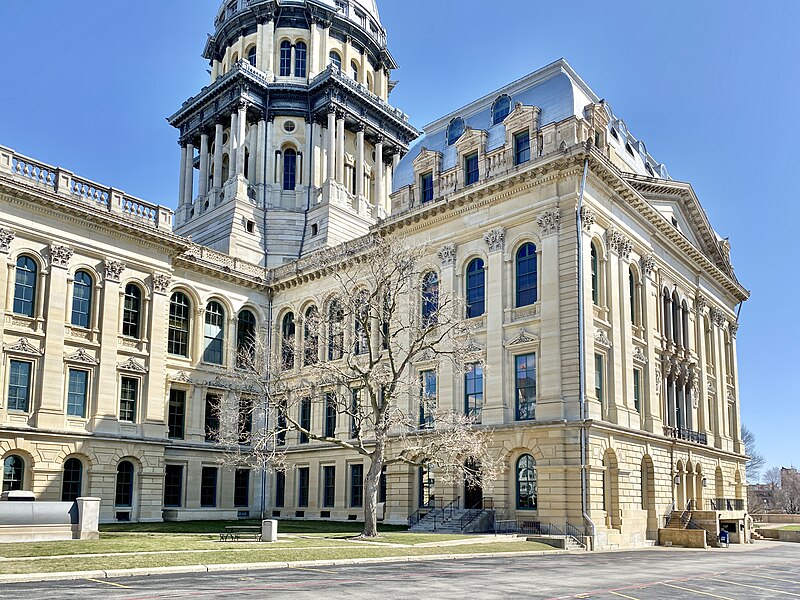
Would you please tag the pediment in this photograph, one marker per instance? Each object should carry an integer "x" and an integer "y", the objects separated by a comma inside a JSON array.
[
  {"x": 22, "y": 346},
  {"x": 82, "y": 356},
  {"x": 132, "y": 365}
]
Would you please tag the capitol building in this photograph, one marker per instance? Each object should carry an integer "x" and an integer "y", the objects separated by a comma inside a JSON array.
[{"x": 600, "y": 294}]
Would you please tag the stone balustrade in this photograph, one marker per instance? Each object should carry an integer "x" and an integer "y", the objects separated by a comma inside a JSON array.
[{"x": 84, "y": 191}]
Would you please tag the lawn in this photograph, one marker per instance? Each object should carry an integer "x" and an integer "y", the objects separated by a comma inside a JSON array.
[
  {"x": 212, "y": 527},
  {"x": 791, "y": 528}
]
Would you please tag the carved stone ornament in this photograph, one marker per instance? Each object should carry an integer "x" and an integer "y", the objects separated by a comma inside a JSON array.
[
  {"x": 733, "y": 327},
  {"x": 601, "y": 338},
  {"x": 132, "y": 365},
  {"x": 718, "y": 317},
  {"x": 549, "y": 221},
  {"x": 23, "y": 346},
  {"x": 114, "y": 270},
  {"x": 495, "y": 239},
  {"x": 639, "y": 356},
  {"x": 427, "y": 355},
  {"x": 60, "y": 255},
  {"x": 6, "y": 237},
  {"x": 658, "y": 379},
  {"x": 695, "y": 390},
  {"x": 182, "y": 377},
  {"x": 700, "y": 304},
  {"x": 710, "y": 388},
  {"x": 619, "y": 242},
  {"x": 648, "y": 265},
  {"x": 82, "y": 356},
  {"x": 523, "y": 337},
  {"x": 587, "y": 217},
  {"x": 161, "y": 283},
  {"x": 447, "y": 254}
]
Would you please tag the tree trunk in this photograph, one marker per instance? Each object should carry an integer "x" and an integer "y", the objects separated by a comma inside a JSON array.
[{"x": 371, "y": 484}]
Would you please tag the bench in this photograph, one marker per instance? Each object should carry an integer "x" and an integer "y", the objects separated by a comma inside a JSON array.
[{"x": 234, "y": 533}]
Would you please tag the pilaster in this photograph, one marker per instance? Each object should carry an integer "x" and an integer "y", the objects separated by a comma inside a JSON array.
[
  {"x": 154, "y": 418},
  {"x": 549, "y": 401},
  {"x": 495, "y": 403}
]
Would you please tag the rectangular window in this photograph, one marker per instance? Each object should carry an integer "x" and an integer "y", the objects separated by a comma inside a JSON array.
[
  {"x": 176, "y": 416},
  {"x": 128, "y": 398},
  {"x": 330, "y": 415},
  {"x": 212, "y": 417},
  {"x": 355, "y": 413},
  {"x": 382, "y": 486},
  {"x": 305, "y": 418},
  {"x": 473, "y": 392},
  {"x": 426, "y": 187},
  {"x": 280, "y": 489},
  {"x": 208, "y": 487},
  {"x": 173, "y": 485},
  {"x": 245, "y": 420},
  {"x": 525, "y": 368},
  {"x": 427, "y": 401},
  {"x": 522, "y": 147},
  {"x": 356, "y": 486},
  {"x": 637, "y": 390},
  {"x": 77, "y": 392},
  {"x": 241, "y": 488},
  {"x": 328, "y": 486},
  {"x": 302, "y": 487},
  {"x": 19, "y": 385},
  {"x": 599, "y": 380},
  {"x": 471, "y": 173}
]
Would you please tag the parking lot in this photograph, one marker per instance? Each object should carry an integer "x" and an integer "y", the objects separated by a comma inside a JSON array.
[{"x": 766, "y": 570}]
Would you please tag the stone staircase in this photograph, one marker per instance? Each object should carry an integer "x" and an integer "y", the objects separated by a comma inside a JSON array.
[{"x": 450, "y": 521}]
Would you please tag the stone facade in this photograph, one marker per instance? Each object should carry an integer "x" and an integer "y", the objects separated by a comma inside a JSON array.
[{"x": 628, "y": 311}]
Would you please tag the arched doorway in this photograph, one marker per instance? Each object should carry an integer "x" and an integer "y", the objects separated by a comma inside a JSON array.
[
  {"x": 649, "y": 497},
  {"x": 611, "y": 490},
  {"x": 680, "y": 489}
]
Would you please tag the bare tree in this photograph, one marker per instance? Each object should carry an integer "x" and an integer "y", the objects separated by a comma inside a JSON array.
[
  {"x": 782, "y": 491},
  {"x": 756, "y": 460},
  {"x": 359, "y": 358}
]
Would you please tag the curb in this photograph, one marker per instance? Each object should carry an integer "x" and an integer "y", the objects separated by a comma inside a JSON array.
[{"x": 268, "y": 566}]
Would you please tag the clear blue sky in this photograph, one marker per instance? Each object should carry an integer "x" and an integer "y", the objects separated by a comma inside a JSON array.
[{"x": 711, "y": 87}]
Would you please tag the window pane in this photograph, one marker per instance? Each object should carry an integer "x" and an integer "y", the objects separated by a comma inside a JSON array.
[
  {"x": 522, "y": 148},
  {"x": 430, "y": 299},
  {"x": 214, "y": 333},
  {"x": 173, "y": 485},
  {"x": 25, "y": 287},
  {"x": 179, "y": 315},
  {"x": 124, "y": 488},
  {"x": 356, "y": 486},
  {"x": 72, "y": 480},
  {"x": 280, "y": 489},
  {"x": 241, "y": 491},
  {"x": 129, "y": 394},
  {"x": 77, "y": 392},
  {"x": 302, "y": 487},
  {"x": 13, "y": 474},
  {"x": 212, "y": 417},
  {"x": 525, "y": 367},
  {"x": 427, "y": 401},
  {"x": 300, "y": 60},
  {"x": 246, "y": 338},
  {"x": 82, "y": 299},
  {"x": 471, "y": 169},
  {"x": 527, "y": 274},
  {"x": 526, "y": 482},
  {"x": 208, "y": 487},
  {"x": 473, "y": 391},
  {"x": 501, "y": 109},
  {"x": 476, "y": 289},
  {"x": 329, "y": 486},
  {"x": 305, "y": 418},
  {"x": 330, "y": 415},
  {"x": 426, "y": 187},
  {"x": 131, "y": 311},
  {"x": 177, "y": 414},
  {"x": 19, "y": 385},
  {"x": 599, "y": 378},
  {"x": 289, "y": 170},
  {"x": 286, "y": 59}
]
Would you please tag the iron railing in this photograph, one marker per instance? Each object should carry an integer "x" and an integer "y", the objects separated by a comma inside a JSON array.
[
  {"x": 687, "y": 435},
  {"x": 432, "y": 504},
  {"x": 475, "y": 511},
  {"x": 731, "y": 504}
]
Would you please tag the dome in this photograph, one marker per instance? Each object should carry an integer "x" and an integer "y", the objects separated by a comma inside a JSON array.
[
  {"x": 368, "y": 6},
  {"x": 231, "y": 7}
]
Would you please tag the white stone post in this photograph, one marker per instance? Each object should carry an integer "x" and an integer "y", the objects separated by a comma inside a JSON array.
[
  {"x": 241, "y": 123},
  {"x": 379, "y": 183},
  {"x": 269, "y": 151},
  {"x": 340, "y": 148},
  {"x": 203, "y": 184},
  {"x": 182, "y": 185},
  {"x": 360, "y": 161},
  {"x": 331, "y": 174},
  {"x": 218, "y": 133},
  {"x": 189, "y": 183},
  {"x": 88, "y": 518},
  {"x": 309, "y": 153}
]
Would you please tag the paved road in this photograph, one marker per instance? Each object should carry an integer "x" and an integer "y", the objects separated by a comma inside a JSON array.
[{"x": 770, "y": 570}]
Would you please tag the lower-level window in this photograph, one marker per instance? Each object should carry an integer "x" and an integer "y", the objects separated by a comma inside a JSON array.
[
  {"x": 72, "y": 480},
  {"x": 208, "y": 487},
  {"x": 173, "y": 485},
  {"x": 19, "y": 385},
  {"x": 356, "y": 486},
  {"x": 241, "y": 488},
  {"x": 329, "y": 486},
  {"x": 302, "y": 487},
  {"x": 124, "y": 487},
  {"x": 525, "y": 367},
  {"x": 526, "y": 482},
  {"x": 280, "y": 489},
  {"x": 78, "y": 386},
  {"x": 128, "y": 396},
  {"x": 13, "y": 473}
]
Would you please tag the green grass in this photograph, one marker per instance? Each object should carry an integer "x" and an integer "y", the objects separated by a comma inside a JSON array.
[
  {"x": 791, "y": 528},
  {"x": 214, "y": 527},
  {"x": 271, "y": 553}
]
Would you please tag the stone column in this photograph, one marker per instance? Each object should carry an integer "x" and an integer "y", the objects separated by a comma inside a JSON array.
[
  {"x": 309, "y": 153},
  {"x": 182, "y": 185},
  {"x": 340, "y": 137},
  {"x": 203, "y": 186},
  {"x": 189, "y": 185},
  {"x": 260, "y": 45},
  {"x": 219, "y": 130},
  {"x": 252, "y": 161},
  {"x": 269, "y": 150},
  {"x": 360, "y": 161},
  {"x": 495, "y": 402},
  {"x": 362, "y": 72},
  {"x": 268, "y": 51},
  {"x": 379, "y": 183},
  {"x": 331, "y": 171},
  {"x": 241, "y": 123},
  {"x": 313, "y": 49},
  {"x": 346, "y": 60},
  {"x": 233, "y": 145},
  {"x": 651, "y": 382},
  {"x": 7, "y": 273},
  {"x": 261, "y": 150}
]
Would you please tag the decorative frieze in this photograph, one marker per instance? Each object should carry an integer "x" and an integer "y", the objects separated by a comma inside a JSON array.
[
  {"x": 549, "y": 221},
  {"x": 182, "y": 377},
  {"x": 658, "y": 377},
  {"x": 648, "y": 265},
  {"x": 619, "y": 242},
  {"x": 114, "y": 270},
  {"x": 587, "y": 217},
  {"x": 60, "y": 255},
  {"x": 161, "y": 283},
  {"x": 447, "y": 254},
  {"x": 495, "y": 239},
  {"x": 6, "y": 237}
]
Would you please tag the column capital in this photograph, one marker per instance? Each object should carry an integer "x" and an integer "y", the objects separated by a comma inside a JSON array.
[
  {"x": 549, "y": 222},
  {"x": 6, "y": 237},
  {"x": 242, "y": 104},
  {"x": 60, "y": 255},
  {"x": 495, "y": 239},
  {"x": 447, "y": 254},
  {"x": 113, "y": 270},
  {"x": 618, "y": 242},
  {"x": 360, "y": 128}
]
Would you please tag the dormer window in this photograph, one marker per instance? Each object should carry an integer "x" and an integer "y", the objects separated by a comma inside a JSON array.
[
  {"x": 335, "y": 59},
  {"x": 471, "y": 172},
  {"x": 501, "y": 109},
  {"x": 455, "y": 130},
  {"x": 629, "y": 149},
  {"x": 614, "y": 134},
  {"x": 426, "y": 187}
]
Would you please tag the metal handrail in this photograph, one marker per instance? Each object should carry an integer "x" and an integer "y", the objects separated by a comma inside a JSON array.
[
  {"x": 452, "y": 505},
  {"x": 422, "y": 511},
  {"x": 728, "y": 504},
  {"x": 475, "y": 511}
]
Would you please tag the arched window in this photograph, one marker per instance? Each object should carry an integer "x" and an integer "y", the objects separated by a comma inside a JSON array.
[
  {"x": 300, "y": 59},
  {"x": 634, "y": 296},
  {"x": 13, "y": 473},
  {"x": 132, "y": 311},
  {"x": 180, "y": 310},
  {"x": 476, "y": 289},
  {"x": 82, "y": 300},
  {"x": 709, "y": 345},
  {"x": 527, "y": 274},
  {"x": 501, "y": 109},
  {"x": 287, "y": 341},
  {"x": 526, "y": 482},
  {"x": 361, "y": 327},
  {"x": 214, "y": 333},
  {"x": 289, "y": 169},
  {"x": 354, "y": 69},
  {"x": 25, "y": 287},
  {"x": 245, "y": 336},
  {"x": 285, "y": 59},
  {"x": 595, "y": 275},
  {"x": 685, "y": 322},
  {"x": 666, "y": 328},
  {"x": 335, "y": 331},
  {"x": 72, "y": 480},
  {"x": 335, "y": 59},
  {"x": 251, "y": 55},
  {"x": 430, "y": 298},
  {"x": 676, "y": 319},
  {"x": 369, "y": 83},
  {"x": 455, "y": 130},
  {"x": 124, "y": 488},
  {"x": 311, "y": 324}
]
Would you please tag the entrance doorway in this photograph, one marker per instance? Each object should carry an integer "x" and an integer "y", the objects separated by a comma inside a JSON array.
[{"x": 473, "y": 489}]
